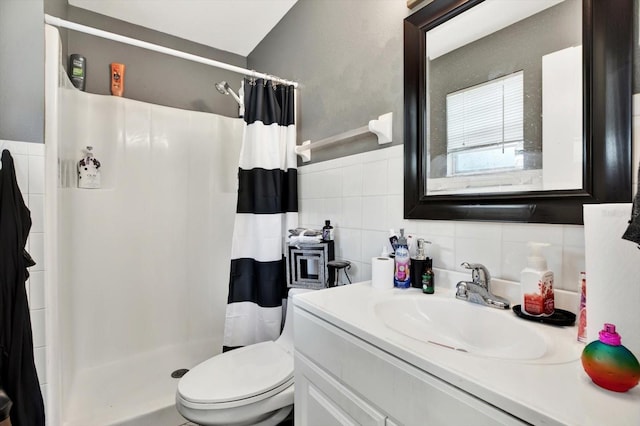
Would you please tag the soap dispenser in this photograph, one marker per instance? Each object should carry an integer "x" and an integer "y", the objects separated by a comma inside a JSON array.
[
  {"x": 537, "y": 284},
  {"x": 88, "y": 170},
  {"x": 418, "y": 264},
  {"x": 609, "y": 364}
]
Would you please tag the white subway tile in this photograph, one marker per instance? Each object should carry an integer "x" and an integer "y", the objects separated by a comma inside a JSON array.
[
  {"x": 36, "y": 206},
  {"x": 304, "y": 210},
  {"x": 363, "y": 216},
  {"x": 304, "y": 188},
  {"x": 331, "y": 209},
  {"x": 430, "y": 228},
  {"x": 374, "y": 213},
  {"x": 514, "y": 259},
  {"x": 555, "y": 263},
  {"x": 36, "y": 250},
  {"x": 36, "y": 175},
  {"x": 524, "y": 232},
  {"x": 312, "y": 212},
  {"x": 395, "y": 212},
  {"x": 484, "y": 251},
  {"x": 375, "y": 178},
  {"x": 349, "y": 244},
  {"x": 372, "y": 243},
  {"x": 40, "y": 358},
  {"x": 395, "y": 181},
  {"x": 45, "y": 395},
  {"x": 352, "y": 180},
  {"x": 572, "y": 264},
  {"x": 479, "y": 230},
  {"x": 38, "y": 328},
  {"x": 573, "y": 235},
  {"x": 36, "y": 149},
  {"x": 21, "y": 163},
  {"x": 442, "y": 251},
  {"x": 15, "y": 147},
  {"x": 352, "y": 212},
  {"x": 27, "y": 289},
  {"x": 330, "y": 183},
  {"x": 36, "y": 290},
  {"x": 359, "y": 271}
]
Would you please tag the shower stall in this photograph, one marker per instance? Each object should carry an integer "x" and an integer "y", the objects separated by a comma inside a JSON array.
[{"x": 137, "y": 271}]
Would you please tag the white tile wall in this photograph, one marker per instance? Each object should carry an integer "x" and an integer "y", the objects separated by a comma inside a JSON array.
[
  {"x": 368, "y": 187},
  {"x": 362, "y": 195},
  {"x": 29, "y": 162}
]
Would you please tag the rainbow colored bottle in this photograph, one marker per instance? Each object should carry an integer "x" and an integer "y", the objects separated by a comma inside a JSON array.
[{"x": 609, "y": 364}]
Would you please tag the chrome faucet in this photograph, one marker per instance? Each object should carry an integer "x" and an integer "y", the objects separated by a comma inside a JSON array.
[{"x": 477, "y": 290}]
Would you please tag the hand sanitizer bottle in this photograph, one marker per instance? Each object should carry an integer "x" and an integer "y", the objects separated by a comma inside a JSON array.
[
  {"x": 88, "y": 170},
  {"x": 537, "y": 284}
]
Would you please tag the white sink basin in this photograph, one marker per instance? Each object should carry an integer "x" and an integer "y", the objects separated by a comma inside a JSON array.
[{"x": 467, "y": 327}]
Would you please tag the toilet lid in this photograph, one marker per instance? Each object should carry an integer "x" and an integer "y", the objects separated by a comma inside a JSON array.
[{"x": 238, "y": 374}]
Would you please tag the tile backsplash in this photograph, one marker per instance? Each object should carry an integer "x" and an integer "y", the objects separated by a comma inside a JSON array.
[
  {"x": 362, "y": 195},
  {"x": 29, "y": 162}
]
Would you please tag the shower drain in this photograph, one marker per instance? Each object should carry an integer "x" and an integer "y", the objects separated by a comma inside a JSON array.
[{"x": 179, "y": 373}]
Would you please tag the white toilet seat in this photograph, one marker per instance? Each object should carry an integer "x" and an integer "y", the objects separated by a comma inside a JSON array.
[{"x": 243, "y": 376}]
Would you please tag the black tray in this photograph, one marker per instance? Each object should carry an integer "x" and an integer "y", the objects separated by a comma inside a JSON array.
[{"x": 559, "y": 317}]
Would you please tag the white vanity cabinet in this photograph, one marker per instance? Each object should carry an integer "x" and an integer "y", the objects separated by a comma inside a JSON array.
[{"x": 340, "y": 379}]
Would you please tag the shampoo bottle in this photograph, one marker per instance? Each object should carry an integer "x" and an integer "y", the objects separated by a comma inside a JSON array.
[
  {"x": 78, "y": 70},
  {"x": 537, "y": 283},
  {"x": 327, "y": 231},
  {"x": 401, "y": 275},
  {"x": 117, "y": 79}
]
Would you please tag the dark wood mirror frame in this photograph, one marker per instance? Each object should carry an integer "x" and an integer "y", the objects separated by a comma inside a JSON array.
[{"x": 607, "y": 85}]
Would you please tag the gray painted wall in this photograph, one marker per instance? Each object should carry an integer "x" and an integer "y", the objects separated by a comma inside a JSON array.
[
  {"x": 150, "y": 76},
  {"x": 346, "y": 53},
  {"x": 22, "y": 70},
  {"x": 348, "y": 56}
]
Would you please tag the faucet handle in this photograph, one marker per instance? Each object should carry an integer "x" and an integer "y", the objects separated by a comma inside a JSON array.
[{"x": 480, "y": 273}]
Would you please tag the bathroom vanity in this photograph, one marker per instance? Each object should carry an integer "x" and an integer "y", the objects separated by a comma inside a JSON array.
[{"x": 400, "y": 357}]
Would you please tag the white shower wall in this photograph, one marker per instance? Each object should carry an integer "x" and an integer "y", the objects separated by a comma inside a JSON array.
[{"x": 143, "y": 261}]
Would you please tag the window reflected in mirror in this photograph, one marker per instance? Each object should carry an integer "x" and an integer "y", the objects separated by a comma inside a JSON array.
[{"x": 504, "y": 99}]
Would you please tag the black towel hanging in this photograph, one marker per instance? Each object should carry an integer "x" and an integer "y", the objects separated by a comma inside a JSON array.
[{"x": 18, "y": 376}]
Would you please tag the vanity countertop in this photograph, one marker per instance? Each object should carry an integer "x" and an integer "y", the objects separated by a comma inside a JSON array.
[{"x": 538, "y": 393}]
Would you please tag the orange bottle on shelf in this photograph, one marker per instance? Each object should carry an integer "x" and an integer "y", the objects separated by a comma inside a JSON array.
[{"x": 117, "y": 79}]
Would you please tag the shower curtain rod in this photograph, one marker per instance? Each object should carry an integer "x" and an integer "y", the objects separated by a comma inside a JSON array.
[{"x": 57, "y": 22}]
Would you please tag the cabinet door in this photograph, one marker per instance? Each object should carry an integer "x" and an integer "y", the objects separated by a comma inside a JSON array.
[{"x": 321, "y": 401}]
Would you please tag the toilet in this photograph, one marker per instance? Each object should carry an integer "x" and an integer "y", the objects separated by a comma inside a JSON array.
[{"x": 252, "y": 385}]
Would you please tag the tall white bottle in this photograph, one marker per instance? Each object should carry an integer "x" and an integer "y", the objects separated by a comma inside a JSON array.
[{"x": 536, "y": 281}]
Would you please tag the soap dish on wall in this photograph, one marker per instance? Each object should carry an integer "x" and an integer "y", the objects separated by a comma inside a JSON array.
[{"x": 559, "y": 317}]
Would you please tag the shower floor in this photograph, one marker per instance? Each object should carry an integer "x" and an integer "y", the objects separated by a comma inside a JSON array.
[{"x": 137, "y": 391}]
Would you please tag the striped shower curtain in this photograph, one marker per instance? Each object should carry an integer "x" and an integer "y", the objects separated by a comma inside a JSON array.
[{"x": 267, "y": 208}]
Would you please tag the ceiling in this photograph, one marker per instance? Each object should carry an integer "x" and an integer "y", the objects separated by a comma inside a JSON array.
[{"x": 235, "y": 26}]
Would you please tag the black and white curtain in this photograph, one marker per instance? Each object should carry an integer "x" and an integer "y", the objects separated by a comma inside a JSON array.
[{"x": 267, "y": 208}]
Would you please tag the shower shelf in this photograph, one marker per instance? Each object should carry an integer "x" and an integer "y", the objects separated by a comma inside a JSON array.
[{"x": 382, "y": 127}]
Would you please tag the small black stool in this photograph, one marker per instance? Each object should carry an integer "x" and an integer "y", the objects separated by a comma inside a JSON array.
[{"x": 337, "y": 266}]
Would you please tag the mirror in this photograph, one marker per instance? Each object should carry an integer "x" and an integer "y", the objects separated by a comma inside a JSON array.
[{"x": 509, "y": 109}]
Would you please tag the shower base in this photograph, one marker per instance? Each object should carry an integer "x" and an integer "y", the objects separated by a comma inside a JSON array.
[{"x": 137, "y": 391}]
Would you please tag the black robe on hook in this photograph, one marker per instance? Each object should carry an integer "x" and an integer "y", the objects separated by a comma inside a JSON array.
[{"x": 18, "y": 376}]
